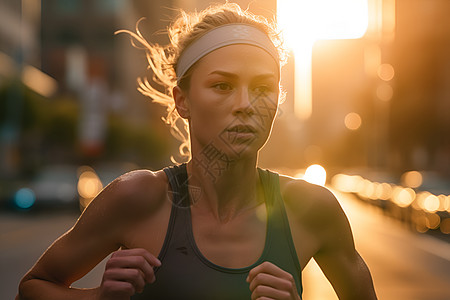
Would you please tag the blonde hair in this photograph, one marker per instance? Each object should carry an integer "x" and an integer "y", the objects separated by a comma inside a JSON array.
[{"x": 162, "y": 60}]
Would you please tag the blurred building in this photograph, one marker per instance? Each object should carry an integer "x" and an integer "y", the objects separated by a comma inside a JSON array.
[
  {"x": 79, "y": 46},
  {"x": 393, "y": 82},
  {"x": 93, "y": 73},
  {"x": 420, "y": 111},
  {"x": 379, "y": 102}
]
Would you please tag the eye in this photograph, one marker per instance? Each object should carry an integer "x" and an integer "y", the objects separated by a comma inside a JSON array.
[
  {"x": 261, "y": 89},
  {"x": 223, "y": 86},
  {"x": 264, "y": 89}
]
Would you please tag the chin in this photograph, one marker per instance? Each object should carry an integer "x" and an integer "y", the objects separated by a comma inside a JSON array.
[
  {"x": 229, "y": 148},
  {"x": 237, "y": 151}
]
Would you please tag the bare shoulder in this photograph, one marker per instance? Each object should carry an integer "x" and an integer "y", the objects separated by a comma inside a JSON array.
[
  {"x": 129, "y": 200},
  {"x": 133, "y": 193},
  {"x": 309, "y": 201},
  {"x": 103, "y": 226},
  {"x": 315, "y": 210}
]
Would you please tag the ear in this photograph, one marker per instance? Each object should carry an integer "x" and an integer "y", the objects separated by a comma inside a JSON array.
[{"x": 181, "y": 102}]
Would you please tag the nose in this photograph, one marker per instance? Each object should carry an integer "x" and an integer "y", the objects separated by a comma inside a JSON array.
[{"x": 243, "y": 103}]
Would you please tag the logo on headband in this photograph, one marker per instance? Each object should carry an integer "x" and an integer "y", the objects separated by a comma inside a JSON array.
[{"x": 241, "y": 32}]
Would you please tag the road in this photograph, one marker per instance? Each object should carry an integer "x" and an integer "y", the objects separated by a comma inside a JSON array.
[{"x": 404, "y": 265}]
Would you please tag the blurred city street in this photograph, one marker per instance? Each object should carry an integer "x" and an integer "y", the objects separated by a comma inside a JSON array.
[
  {"x": 405, "y": 265},
  {"x": 366, "y": 105}
]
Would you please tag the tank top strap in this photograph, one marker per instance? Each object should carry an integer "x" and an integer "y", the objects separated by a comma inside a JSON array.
[
  {"x": 178, "y": 181},
  {"x": 179, "y": 215},
  {"x": 274, "y": 201},
  {"x": 278, "y": 227},
  {"x": 267, "y": 179}
]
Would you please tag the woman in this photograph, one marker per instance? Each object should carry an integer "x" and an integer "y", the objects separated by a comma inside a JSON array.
[{"x": 230, "y": 229}]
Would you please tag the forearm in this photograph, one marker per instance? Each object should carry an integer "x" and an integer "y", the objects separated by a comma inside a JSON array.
[
  {"x": 349, "y": 276},
  {"x": 366, "y": 288},
  {"x": 37, "y": 289},
  {"x": 359, "y": 284}
]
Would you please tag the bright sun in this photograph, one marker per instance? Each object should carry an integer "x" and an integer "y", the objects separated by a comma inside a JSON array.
[{"x": 306, "y": 21}]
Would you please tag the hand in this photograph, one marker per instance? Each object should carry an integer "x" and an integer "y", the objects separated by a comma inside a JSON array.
[
  {"x": 267, "y": 281},
  {"x": 126, "y": 273}
]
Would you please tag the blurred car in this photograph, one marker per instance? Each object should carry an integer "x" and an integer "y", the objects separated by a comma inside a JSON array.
[
  {"x": 63, "y": 186},
  {"x": 434, "y": 183},
  {"x": 8, "y": 189},
  {"x": 54, "y": 186}
]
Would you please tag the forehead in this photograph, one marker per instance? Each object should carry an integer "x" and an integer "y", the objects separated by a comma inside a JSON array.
[{"x": 239, "y": 59}]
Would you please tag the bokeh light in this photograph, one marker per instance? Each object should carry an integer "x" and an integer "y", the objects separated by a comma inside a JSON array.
[
  {"x": 445, "y": 226},
  {"x": 429, "y": 211},
  {"x": 24, "y": 198},
  {"x": 412, "y": 179},
  {"x": 385, "y": 92},
  {"x": 386, "y": 72},
  {"x": 431, "y": 203},
  {"x": 89, "y": 185},
  {"x": 316, "y": 174},
  {"x": 384, "y": 191},
  {"x": 433, "y": 221},
  {"x": 403, "y": 197},
  {"x": 353, "y": 121}
]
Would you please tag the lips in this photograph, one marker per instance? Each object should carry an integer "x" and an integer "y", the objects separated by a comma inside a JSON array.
[
  {"x": 242, "y": 129},
  {"x": 241, "y": 133}
]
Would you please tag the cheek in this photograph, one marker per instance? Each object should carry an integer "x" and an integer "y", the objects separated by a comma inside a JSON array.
[
  {"x": 265, "y": 107},
  {"x": 208, "y": 114}
]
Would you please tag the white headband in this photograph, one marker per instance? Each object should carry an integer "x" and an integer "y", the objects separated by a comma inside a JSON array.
[{"x": 237, "y": 33}]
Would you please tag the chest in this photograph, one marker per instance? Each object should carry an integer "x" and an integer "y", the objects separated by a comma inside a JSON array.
[
  {"x": 215, "y": 260},
  {"x": 234, "y": 244}
]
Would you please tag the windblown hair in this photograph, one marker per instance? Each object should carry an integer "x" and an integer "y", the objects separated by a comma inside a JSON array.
[{"x": 162, "y": 60}]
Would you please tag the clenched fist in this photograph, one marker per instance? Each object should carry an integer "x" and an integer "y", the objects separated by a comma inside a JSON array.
[
  {"x": 126, "y": 273},
  {"x": 267, "y": 281}
]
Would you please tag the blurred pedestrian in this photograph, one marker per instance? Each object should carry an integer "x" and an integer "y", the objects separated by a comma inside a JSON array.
[{"x": 216, "y": 227}]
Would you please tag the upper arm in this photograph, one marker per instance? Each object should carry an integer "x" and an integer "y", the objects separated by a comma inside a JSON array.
[
  {"x": 337, "y": 256},
  {"x": 322, "y": 216},
  {"x": 99, "y": 230},
  {"x": 348, "y": 274}
]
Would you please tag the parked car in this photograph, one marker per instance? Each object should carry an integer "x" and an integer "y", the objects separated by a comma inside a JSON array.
[
  {"x": 8, "y": 189},
  {"x": 434, "y": 183},
  {"x": 54, "y": 186}
]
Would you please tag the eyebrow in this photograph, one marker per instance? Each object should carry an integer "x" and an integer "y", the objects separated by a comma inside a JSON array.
[{"x": 233, "y": 75}]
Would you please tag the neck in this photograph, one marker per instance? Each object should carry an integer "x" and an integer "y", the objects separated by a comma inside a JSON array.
[{"x": 225, "y": 191}]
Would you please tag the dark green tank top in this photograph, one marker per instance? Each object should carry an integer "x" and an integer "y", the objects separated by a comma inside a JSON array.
[{"x": 186, "y": 274}]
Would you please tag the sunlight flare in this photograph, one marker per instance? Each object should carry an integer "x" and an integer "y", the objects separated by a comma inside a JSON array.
[{"x": 304, "y": 22}]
